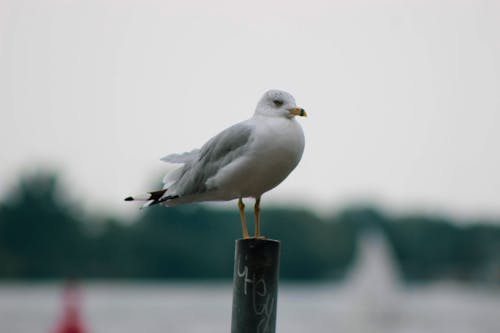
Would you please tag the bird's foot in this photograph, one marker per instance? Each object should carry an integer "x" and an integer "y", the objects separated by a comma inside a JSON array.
[{"x": 259, "y": 237}]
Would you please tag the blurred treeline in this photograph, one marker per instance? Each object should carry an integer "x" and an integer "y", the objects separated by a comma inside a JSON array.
[{"x": 42, "y": 235}]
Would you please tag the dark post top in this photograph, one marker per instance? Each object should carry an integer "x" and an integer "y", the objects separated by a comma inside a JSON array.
[{"x": 255, "y": 285}]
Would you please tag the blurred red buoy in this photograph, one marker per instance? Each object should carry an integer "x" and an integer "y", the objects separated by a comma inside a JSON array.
[{"x": 71, "y": 321}]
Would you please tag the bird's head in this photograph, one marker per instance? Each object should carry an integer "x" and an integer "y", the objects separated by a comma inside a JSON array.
[{"x": 278, "y": 103}]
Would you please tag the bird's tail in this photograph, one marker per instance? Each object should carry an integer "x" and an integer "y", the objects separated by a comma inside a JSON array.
[{"x": 152, "y": 198}]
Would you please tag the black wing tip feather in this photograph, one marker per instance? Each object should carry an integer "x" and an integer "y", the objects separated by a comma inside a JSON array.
[
  {"x": 160, "y": 200},
  {"x": 156, "y": 197}
]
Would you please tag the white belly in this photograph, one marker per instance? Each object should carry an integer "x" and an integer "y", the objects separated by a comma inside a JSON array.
[{"x": 276, "y": 150}]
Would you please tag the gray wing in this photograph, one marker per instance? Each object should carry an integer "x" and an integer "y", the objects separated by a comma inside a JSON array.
[
  {"x": 182, "y": 158},
  {"x": 218, "y": 152}
]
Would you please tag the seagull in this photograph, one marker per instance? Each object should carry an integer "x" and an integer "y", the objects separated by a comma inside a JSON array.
[{"x": 243, "y": 161}]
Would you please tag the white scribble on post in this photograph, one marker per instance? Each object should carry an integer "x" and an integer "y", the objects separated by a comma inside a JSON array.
[
  {"x": 244, "y": 274},
  {"x": 259, "y": 291}
]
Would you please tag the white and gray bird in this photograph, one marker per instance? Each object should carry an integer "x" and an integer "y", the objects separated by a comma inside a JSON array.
[{"x": 245, "y": 160}]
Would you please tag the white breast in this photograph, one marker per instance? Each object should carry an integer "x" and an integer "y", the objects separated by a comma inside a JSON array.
[{"x": 275, "y": 151}]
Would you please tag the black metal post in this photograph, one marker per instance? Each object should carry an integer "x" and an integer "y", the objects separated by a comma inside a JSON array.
[{"x": 255, "y": 285}]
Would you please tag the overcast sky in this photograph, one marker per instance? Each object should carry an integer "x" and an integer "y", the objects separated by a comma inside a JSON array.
[{"x": 403, "y": 97}]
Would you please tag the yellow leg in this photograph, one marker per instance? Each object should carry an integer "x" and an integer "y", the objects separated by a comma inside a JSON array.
[
  {"x": 241, "y": 206},
  {"x": 257, "y": 217}
]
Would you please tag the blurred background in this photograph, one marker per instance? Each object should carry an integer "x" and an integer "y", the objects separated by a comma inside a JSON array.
[{"x": 390, "y": 223}]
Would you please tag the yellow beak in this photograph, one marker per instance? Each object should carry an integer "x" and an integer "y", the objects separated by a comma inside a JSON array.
[{"x": 298, "y": 112}]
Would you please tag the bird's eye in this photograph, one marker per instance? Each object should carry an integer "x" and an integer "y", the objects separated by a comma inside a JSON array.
[{"x": 278, "y": 102}]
